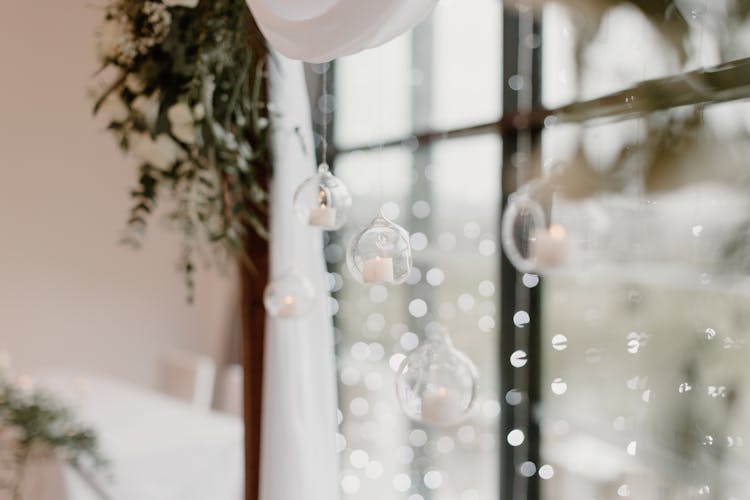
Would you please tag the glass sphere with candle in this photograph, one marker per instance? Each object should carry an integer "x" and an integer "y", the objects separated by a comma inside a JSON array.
[
  {"x": 380, "y": 253},
  {"x": 546, "y": 226},
  {"x": 323, "y": 200},
  {"x": 437, "y": 384},
  {"x": 290, "y": 296}
]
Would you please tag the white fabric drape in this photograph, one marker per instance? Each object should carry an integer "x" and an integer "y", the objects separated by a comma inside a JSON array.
[
  {"x": 298, "y": 457},
  {"x": 322, "y": 30}
]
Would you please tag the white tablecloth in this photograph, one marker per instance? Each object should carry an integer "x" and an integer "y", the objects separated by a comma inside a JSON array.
[{"x": 159, "y": 448}]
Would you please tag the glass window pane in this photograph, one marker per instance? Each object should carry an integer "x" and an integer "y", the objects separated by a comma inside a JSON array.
[
  {"x": 597, "y": 48},
  {"x": 467, "y": 63},
  {"x": 443, "y": 75},
  {"x": 373, "y": 94},
  {"x": 645, "y": 319}
]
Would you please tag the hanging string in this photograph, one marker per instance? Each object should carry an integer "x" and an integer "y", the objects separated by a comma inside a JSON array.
[
  {"x": 702, "y": 15},
  {"x": 324, "y": 166},
  {"x": 326, "y": 99},
  {"x": 697, "y": 193},
  {"x": 379, "y": 102}
]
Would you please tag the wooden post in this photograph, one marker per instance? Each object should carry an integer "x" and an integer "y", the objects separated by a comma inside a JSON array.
[{"x": 253, "y": 341}]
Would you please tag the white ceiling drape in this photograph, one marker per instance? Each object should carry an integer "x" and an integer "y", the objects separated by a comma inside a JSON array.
[
  {"x": 298, "y": 457},
  {"x": 322, "y": 30}
]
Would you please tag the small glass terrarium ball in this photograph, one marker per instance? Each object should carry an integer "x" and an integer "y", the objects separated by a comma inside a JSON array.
[
  {"x": 323, "y": 201},
  {"x": 437, "y": 384},
  {"x": 380, "y": 253},
  {"x": 290, "y": 296}
]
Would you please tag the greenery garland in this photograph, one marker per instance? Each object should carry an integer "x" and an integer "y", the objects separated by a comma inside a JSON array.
[
  {"x": 34, "y": 424},
  {"x": 188, "y": 99}
]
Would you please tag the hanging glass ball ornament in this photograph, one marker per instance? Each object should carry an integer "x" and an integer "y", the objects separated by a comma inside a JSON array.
[
  {"x": 530, "y": 243},
  {"x": 437, "y": 384},
  {"x": 323, "y": 200},
  {"x": 380, "y": 253},
  {"x": 290, "y": 296}
]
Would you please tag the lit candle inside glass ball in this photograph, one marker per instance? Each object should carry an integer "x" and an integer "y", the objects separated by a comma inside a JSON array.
[
  {"x": 441, "y": 406},
  {"x": 437, "y": 384},
  {"x": 290, "y": 296},
  {"x": 322, "y": 215},
  {"x": 549, "y": 247},
  {"x": 378, "y": 270},
  {"x": 323, "y": 201},
  {"x": 380, "y": 253},
  {"x": 288, "y": 307}
]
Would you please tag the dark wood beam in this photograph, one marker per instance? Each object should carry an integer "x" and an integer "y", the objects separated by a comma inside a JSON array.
[
  {"x": 253, "y": 343},
  {"x": 254, "y": 275},
  {"x": 724, "y": 82},
  {"x": 721, "y": 83}
]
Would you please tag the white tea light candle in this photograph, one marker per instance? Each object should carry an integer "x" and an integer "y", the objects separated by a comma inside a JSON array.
[
  {"x": 323, "y": 201},
  {"x": 289, "y": 296},
  {"x": 380, "y": 253},
  {"x": 323, "y": 216},
  {"x": 288, "y": 307},
  {"x": 378, "y": 270},
  {"x": 441, "y": 406},
  {"x": 549, "y": 247}
]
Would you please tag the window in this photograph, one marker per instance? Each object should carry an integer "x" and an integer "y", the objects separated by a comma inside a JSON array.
[
  {"x": 616, "y": 369},
  {"x": 643, "y": 329}
]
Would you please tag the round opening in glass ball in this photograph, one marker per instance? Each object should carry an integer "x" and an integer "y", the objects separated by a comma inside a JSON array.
[
  {"x": 437, "y": 384},
  {"x": 380, "y": 253},
  {"x": 524, "y": 234},
  {"x": 323, "y": 201},
  {"x": 290, "y": 296}
]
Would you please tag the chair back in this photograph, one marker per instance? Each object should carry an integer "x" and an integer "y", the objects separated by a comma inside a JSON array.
[
  {"x": 230, "y": 390},
  {"x": 190, "y": 377}
]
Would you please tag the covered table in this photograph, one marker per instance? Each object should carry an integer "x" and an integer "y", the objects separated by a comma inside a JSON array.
[{"x": 159, "y": 448}]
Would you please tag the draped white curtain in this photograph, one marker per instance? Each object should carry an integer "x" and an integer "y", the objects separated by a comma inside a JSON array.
[
  {"x": 299, "y": 458},
  {"x": 322, "y": 30}
]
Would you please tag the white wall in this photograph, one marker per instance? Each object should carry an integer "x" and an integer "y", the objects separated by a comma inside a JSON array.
[{"x": 69, "y": 295}]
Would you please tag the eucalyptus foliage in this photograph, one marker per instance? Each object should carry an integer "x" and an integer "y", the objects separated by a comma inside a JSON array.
[
  {"x": 188, "y": 99},
  {"x": 33, "y": 423}
]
